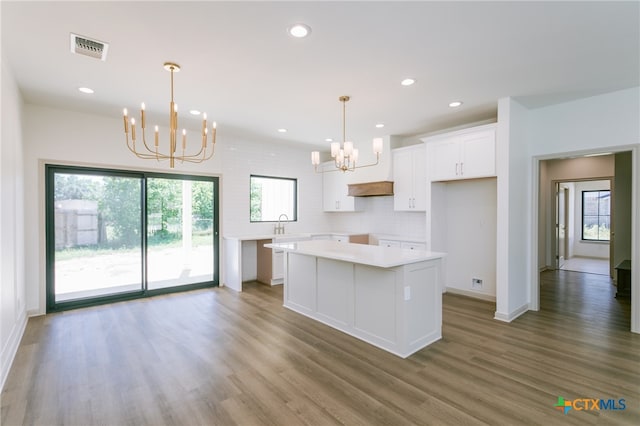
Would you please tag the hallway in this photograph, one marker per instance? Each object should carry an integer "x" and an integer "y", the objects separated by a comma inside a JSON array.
[
  {"x": 589, "y": 265},
  {"x": 586, "y": 299}
]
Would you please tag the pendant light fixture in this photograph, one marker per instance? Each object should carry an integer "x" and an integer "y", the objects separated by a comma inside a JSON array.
[{"x": 345, "y": 156}]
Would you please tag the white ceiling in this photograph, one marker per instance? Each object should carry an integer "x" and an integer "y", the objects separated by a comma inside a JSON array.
[{"x": 239, "y": 64}]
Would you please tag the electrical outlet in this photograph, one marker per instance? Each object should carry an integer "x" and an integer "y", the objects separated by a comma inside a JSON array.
[{"x": 476, "y": 283}]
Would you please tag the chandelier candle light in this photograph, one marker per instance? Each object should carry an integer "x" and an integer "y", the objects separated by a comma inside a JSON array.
[
  {"x": 153, "y": 153},
  {"x": 346, "y": 157}
]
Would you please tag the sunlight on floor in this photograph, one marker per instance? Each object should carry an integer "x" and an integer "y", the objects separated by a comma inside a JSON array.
[{"x": 587, "y": 264}]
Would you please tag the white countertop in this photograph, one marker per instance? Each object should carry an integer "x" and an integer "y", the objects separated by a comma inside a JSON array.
[
  {"x": 267, "y": 236},
  {"x": 395, "y": 237},
  {"x": 382, "y": 257},
  {"x": 285, "y": 237}
]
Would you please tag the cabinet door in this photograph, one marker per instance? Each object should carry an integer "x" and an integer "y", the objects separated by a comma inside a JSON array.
[
  {"x": 479, "y": 154},
  {"x": 334, "y": 192},
  {"x": 345, "y": 202},
  {"x": 445, "y": 159},
  {"x": 419, "y": 179},
  {"x": 277, "y": 265},
  {"x": 329, "y": 190},
  {"x": 413, "y": 246},
  {"x": 409, "y": 179},
  {"x": 402, "y": 179},
  {"x": 389, "y": 243}
]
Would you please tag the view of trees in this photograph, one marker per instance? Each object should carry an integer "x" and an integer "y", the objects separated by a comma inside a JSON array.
[{"x": 119, "y": 206}]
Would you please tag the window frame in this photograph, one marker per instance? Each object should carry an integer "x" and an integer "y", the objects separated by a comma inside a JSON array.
[
  {"x": 295, "y": 198},
  {"x": 582, "y": 216},
  {"x": 50, "y": 170}
]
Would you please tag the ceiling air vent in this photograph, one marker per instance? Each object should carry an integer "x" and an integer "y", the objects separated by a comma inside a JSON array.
[{"x": 92, "y": 48}]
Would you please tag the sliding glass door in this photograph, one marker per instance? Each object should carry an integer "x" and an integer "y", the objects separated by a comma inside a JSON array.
[
  {"x": 113, "y": 235},
  {"x": 179, "y": 232}
]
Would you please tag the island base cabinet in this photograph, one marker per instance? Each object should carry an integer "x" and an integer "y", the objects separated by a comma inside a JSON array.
[
  {"x": 376, "y": 304},
  {"x": 300, "y": 269},
  {"x": 334, "y": 289},
  {"x": 397, "y": 309}
]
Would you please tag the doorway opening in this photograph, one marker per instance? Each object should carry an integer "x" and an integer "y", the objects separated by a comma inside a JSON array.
[
  {"x": 584, "y": 205},
  {"x": 583, "y": 226}
]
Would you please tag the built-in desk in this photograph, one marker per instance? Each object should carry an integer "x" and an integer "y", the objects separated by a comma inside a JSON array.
[
  {"x": 241, "y": 254},
  {"x": 623, "y": 274}
]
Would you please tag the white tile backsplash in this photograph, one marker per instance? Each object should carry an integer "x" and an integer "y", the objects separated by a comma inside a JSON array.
[{"x": 378, "y": 217}]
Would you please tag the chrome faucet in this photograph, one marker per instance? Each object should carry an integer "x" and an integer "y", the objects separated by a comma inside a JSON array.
[{"x": 279, "y": 228}]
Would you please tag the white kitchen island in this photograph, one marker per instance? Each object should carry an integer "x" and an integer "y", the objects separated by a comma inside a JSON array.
[{"x": 387, "y": 296}]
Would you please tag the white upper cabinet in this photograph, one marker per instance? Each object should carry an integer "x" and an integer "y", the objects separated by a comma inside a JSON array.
[
  {"x": 466, "y": 154},
  {"x": 409, "y": 178},
  {"x": 334, "y": 191}
]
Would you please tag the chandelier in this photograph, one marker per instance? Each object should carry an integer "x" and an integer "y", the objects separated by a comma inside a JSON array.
[
  {"x": 153, "y": 152},
  {"x": 345, "y": 157}
]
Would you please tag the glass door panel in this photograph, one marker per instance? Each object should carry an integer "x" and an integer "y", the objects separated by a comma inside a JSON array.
[
  {"x": 97, "y": 235},
  {"x": 180, "y": 232}
]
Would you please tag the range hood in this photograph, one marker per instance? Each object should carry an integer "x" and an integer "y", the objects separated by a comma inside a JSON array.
[{"x": 370, "y": 189}]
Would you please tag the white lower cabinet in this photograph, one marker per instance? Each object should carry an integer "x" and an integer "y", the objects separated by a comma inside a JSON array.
[
  {"x": 411, "y": 245},
  {"x": 277, "y": 266},
  {"x": 397, "y": 309},
  {"x": 389, "y": 243}
]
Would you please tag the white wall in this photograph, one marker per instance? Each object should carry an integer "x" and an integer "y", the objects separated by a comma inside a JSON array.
[
  {"x": 514, "y": 210},
  {"x": 606, "y": 122},
  {"x": 587, "y": 248},
  {"x": 13, "y": 316},
  {"x": 378, "y": 217},
  {"x": 468, "y": 235}
]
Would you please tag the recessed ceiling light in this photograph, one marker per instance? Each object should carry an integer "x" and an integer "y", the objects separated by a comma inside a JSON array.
[
  {"x": 380, "y": 125},
  {"x": 85, "y": 90},
  {"x": 282, "y": 130},
  {"x": 299, "y": 30},
  {"x": 408, "y": 81},
  {"x": 328, "y": 140},
  {"x": 194, "y": 112},
  {"x": 455, "y": 104}
]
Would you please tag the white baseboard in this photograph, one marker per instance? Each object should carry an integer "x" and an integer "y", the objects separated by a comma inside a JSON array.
[
  {"x": 8, "y": 353},
  {"x": 508, "y": 317},
  {"x": 468, "y": 293}
]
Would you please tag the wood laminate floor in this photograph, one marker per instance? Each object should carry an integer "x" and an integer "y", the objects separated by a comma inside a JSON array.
[{"x": 214, "y": 357}]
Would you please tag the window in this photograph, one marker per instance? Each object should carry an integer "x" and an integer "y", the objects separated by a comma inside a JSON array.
[
  {"x": 596, "y": 215},
  {"x": 273, "y": 197}
]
